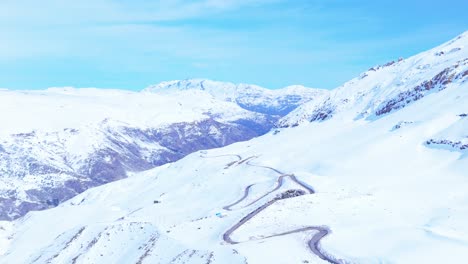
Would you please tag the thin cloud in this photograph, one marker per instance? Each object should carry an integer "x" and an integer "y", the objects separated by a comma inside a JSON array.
[{"x": 70, "y": 12}]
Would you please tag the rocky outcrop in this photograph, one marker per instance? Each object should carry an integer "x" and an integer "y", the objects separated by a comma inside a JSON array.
[
  {"x": 457, "y": 145},
  {"x": 289, "y": 194},
  {"x": 437, "y": 83}
]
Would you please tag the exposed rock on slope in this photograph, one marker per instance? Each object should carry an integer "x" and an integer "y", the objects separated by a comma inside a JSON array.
[
  {"x": 389, "y": 87},
  {"x": 64, "y": 140}
]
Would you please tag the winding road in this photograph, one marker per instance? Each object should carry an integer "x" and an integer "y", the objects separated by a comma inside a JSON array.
[
  {"x": 314, "y": 242},
  {"x": 246, "y": 193}
]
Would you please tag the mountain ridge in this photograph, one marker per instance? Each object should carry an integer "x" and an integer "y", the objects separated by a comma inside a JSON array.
[
  {"x": 58, "y": 142},
  {"x": 251, "y": 97},
  {"x": 383, "y": 88}
]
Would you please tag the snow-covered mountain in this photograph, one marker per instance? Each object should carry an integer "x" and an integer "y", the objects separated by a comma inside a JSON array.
[
  {"x": 250, "y": 97},
  {"x": 387, "y": 88},
  {"x": 379, "y": 176},
  {"x": 59, "y": 142}
]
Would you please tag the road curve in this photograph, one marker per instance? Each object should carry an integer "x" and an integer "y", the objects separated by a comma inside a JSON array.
[
  {"x": 314, "y": 242},
  {"x": 291, "y": 176},
  {"x": 279, "y": 183},
  {"x": 226, "y": 155},
  {"x": 246, "y": 193},
  {"x": 265, "y": 167},
  {"x": 302, "y": 184}
]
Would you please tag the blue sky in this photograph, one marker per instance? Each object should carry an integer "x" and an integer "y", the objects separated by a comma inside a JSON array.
[{"x": 131, "y": 44}]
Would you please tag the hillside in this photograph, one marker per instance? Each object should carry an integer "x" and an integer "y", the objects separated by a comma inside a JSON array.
[{"x": 59, "y": 142}]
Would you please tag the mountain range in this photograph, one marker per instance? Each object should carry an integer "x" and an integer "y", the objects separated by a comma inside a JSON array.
[
  {"x": 59, "y": 142},
  {"x": 199, "y": 171}
]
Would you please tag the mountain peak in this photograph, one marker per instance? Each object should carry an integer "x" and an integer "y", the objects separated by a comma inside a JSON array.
[
  {"x": 205, "y": 84},
  {"x": 248, "y": 96},
  {"x": 186, "y": 84}
]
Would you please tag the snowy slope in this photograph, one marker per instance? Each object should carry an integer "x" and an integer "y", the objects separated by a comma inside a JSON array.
[
  {"x": 366, "y": 190},
  {"x": 58, "y": 108},
  {"x": 59, "y": 142},
  {"x": 387, "y": 88},
  {"x": 251, "y": 97}
]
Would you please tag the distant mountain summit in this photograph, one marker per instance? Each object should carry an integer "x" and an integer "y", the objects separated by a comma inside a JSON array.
[{"x": 248, "y": 96}]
